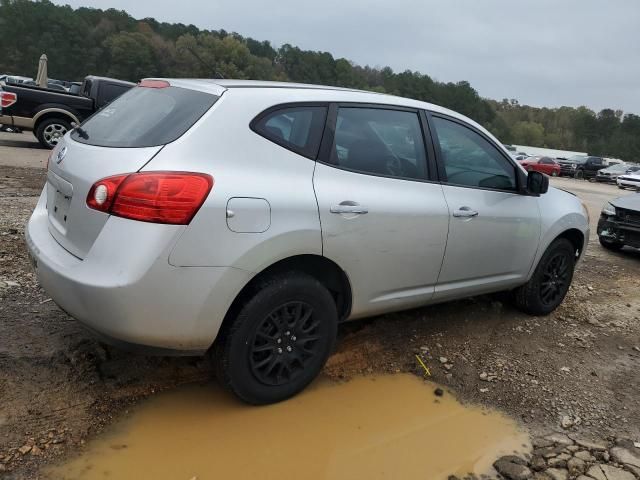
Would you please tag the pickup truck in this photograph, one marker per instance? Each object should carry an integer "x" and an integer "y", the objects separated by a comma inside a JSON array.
[
  {"x": 50, "y": 114},
  {"x": 581, "y": 166}
]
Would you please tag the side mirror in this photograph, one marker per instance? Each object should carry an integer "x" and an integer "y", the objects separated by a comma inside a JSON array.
[{"x": 537, "y": 183}]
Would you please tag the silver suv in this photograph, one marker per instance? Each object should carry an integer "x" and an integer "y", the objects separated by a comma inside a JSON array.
[{"x": 248, "y": 219}]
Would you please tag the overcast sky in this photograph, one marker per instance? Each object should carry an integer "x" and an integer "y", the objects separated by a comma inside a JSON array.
[{"x": 541, "y": 52}]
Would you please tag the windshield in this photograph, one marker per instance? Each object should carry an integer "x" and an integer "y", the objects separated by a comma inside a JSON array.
[
  {"x": 578, "y": 159},
  {"x": 617, "y": 168},
  {"x": 145, "y": 117}
]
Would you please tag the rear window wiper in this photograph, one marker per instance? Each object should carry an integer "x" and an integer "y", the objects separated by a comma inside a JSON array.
[{"x": 82, "y": 132}]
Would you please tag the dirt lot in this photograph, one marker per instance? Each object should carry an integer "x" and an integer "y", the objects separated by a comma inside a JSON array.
[{"x": 579, "y": 367}]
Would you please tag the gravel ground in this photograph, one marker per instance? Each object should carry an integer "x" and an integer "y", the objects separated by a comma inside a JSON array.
[{"x": 576, "y": 371}]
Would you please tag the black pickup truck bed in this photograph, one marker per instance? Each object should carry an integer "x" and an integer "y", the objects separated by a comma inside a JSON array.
[{"x": 49, "y": 113}]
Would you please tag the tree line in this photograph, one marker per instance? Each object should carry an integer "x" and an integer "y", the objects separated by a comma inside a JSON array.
[{"x": 110, "y": 42}]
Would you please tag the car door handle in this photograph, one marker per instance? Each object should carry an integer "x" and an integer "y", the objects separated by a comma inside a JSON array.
[
  {"x": 465, "y": 212},
  {"x": 349, "y": 207}
]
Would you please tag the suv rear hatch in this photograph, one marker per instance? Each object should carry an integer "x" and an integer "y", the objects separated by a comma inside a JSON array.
[{"x": 121, "y": 138}]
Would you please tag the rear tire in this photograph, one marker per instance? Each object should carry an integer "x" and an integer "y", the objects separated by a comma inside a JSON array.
[
  {"x": 50, "y": 131},
  {"x": 279, "y": 341},
  {"x": 613, "y": 246},
  {"x": 550, "y": 282}
]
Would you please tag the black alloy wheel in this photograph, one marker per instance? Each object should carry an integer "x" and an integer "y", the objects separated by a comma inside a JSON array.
[
  {"x": 279, "y": 339},
  {"x": 554, "y": 279},
  {"x": 285, "y": 341},
  {"x": 550, "y": 282}
]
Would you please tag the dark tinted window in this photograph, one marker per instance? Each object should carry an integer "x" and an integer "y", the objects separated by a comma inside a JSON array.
[
  {"x": 379, "y": 141},
  {"x": 577, "y": 159},
  {"x": 547, "y": 161},
  {"x": 295, "y": 128},
  {"x": 110, "y": 91},
  {"x": 145, "y": 117},
  {"x": 471, "y": 160}
]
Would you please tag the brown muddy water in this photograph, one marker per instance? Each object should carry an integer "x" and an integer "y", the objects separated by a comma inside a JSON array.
[{"x": 370, "y": 427}]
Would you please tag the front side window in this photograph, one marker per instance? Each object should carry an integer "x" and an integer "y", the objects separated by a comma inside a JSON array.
[
  {"x": 380, "y": 142},
  {"x": 470, "y": 160},
  {"x": 298, "y": 129}
]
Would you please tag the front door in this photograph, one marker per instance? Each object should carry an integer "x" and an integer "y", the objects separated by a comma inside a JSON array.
[
  {"x": 494, "y": 230},
  {"x": 382, "y": 221}
]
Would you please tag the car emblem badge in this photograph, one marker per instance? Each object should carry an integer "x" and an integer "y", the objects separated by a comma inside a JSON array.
[{"x": 61, "y": 154}]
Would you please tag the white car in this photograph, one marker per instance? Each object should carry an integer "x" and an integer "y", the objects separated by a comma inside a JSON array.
[
  {"x": 249, "y": 218},
  {"x": 629, "y": 180}
]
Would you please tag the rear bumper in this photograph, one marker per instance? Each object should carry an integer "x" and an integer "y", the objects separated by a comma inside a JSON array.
[{"x": 126, "y": 291}]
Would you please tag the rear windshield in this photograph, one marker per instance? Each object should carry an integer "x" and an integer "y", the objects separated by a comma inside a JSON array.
[{"x": 145, "y": 117}]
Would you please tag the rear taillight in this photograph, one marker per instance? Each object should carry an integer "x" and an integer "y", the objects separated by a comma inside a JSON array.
[
  {"x": 7, "y": 99},
  {"x": 157, "y": 197}
]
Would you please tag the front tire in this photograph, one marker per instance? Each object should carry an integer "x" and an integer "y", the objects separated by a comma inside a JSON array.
[
  {"x": 550, "y": 282},
  {"x": 50, "y": 131},
  {"x": 579, "y": 174},
  {"x": 279, "y": 341}
]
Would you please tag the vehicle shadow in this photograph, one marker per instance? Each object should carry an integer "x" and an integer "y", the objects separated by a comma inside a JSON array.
[{"x": 19, "y": 140}]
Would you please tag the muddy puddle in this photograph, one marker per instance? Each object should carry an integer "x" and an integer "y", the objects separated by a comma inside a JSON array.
[{"x": 372, "y": 427}]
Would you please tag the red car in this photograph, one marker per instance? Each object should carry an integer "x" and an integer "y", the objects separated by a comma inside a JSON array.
[{"x": 542, "y": 164}]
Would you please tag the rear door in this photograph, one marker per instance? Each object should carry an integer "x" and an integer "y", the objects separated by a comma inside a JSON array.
[
  {"x": 384, "y": 220},
  {"x": 494, "y": 230}
]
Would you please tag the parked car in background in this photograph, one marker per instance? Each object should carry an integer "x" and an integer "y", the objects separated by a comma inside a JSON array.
[
  {"x": 580, "y": 166},
  {"x": 519, "y": 156},
  {"x": 569, "y": 165},
  {"x": 545, "y": 165},
  {"x": 50, "y": 113},
  {"x": 155, "y": 185},
  {"x": 611, "y": 174},
  {"x": 629, "y": 180},
  {"x": 619, "y": 223}
]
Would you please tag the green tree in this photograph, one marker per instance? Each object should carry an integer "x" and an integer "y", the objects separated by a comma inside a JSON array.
[
  {"x": 528, "y": 133},
  {"x": 111, "y": 42}
]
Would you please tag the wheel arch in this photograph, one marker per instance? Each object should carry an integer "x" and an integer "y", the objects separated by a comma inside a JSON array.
[
  {"x": 576, "y": 237},
  {"x": 321, "y": 268},
  {"x": 53, "y": 112}
]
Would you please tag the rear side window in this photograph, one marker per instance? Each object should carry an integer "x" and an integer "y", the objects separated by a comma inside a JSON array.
[
  {"x": 298, "y": 129},
  {"x": 379, "y": 141},
  {"x": 145, "y": 117},
  {"x": 111, "y": 91}
]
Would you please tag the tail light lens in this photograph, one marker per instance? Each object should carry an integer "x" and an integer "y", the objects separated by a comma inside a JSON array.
[
  {"x": 157, "y": 197},
  {"x": 7, "y": 99}
]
